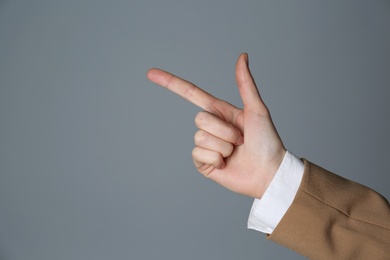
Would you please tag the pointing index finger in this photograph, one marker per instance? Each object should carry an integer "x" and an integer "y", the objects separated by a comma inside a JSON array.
[{"x": 183, "y": 88}]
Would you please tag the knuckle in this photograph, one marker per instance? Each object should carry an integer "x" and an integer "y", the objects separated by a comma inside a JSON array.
[
  {"x": 189, "y": 92},
  {"x": 232, "y": 134},
  {"x": 200, "y": 118},
  {"x": 200, "y": 137},
  {"x": 195, "y": 152},
  {"x": 228, "y": 150}
]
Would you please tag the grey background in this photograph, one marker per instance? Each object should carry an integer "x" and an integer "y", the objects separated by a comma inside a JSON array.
[{"x": 95, "y": 161}]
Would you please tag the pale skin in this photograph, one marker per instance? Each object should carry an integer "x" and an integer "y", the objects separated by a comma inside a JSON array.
[{"x": 238, "y": 148}]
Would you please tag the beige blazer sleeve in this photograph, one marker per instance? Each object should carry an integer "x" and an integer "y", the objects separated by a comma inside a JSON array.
[{"x": 334, "y": 218}]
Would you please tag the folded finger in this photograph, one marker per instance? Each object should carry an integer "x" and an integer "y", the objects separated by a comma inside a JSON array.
[
  {"x": 202, "y": 156},
  {"x": 219, "y": 128},
  {"x": 210, "y": 142}
]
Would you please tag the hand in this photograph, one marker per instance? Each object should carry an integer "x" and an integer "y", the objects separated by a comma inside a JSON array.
[{"x": 238, "y": 148}]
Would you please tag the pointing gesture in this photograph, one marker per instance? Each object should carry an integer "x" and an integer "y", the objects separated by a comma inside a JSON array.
[{"x": 238, "y": 148}]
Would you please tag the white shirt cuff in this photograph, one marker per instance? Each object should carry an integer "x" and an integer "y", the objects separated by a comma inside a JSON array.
[{"x": 267, "y": 212}]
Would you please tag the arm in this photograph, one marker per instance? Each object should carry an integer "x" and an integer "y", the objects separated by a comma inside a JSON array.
[{"x": 335, "y": 218}]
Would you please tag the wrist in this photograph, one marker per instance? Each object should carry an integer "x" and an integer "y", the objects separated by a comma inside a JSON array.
[{"x": 269, "y": 175}]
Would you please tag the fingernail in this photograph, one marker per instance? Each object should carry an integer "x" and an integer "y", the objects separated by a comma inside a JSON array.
[
  {"x": 222, "y": 165},
  {"x": 240, "y": 140},
  {"x": 247, "y": 58}
]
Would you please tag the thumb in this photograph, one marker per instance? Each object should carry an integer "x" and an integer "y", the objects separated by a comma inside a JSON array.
[{"x": 247, "y": 87}]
